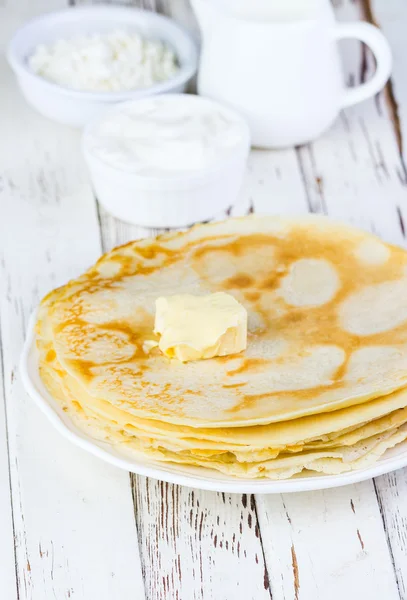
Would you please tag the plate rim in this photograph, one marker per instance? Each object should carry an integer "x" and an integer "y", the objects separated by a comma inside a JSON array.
[{"x": 208, "y": 482}]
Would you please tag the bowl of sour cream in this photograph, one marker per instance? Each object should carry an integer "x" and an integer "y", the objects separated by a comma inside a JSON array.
[
  {"x": 73, "y": 64},
  {"x": 167, "y": 161}
]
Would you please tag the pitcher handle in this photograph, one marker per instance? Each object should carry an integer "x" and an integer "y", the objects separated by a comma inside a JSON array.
[{"x": 375, "y": 40}]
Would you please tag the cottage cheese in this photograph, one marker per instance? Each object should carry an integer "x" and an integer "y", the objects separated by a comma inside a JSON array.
[{"x": 105, "y": 62}]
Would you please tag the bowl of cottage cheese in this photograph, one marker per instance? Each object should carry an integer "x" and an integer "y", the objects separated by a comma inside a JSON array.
[{"x": 73, "y": 64}]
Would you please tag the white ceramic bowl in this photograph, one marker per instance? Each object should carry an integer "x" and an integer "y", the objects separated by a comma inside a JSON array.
[
  {"x": 169, "y": 201},
  {"x": 76, "y": 108}
]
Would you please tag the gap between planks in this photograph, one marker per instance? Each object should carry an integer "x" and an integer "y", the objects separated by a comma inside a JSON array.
[
  {"x": 8, "y": 566},
  {"x": 368, "y": 13}
]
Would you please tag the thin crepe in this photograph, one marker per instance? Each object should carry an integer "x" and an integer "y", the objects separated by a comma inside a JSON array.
[{"x": 327, "y": 322}]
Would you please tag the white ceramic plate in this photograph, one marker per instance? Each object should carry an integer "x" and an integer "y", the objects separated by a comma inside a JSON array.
[{"x": 197, "y": 477}]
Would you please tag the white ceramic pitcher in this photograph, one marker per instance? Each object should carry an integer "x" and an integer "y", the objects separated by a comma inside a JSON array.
[{"x": 282, "y": 71}]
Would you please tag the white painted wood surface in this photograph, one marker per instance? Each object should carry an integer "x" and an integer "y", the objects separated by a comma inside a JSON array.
[
  {"x": 73, "y": 517},
  {"x": 67, "y": 525}
]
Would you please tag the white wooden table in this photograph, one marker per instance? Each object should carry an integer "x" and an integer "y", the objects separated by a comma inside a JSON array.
[{"x": 72, "y": 527}]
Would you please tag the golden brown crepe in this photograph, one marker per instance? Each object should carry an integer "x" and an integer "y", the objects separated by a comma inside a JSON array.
[{"x": 325, "y": 365}]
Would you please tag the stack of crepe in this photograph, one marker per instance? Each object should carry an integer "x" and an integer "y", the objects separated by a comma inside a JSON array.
[{"x": 321, "y": 387}]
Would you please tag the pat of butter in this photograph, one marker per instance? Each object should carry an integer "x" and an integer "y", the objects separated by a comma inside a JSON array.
[
  {"x": 148, "y": 345},
  {"x": 197, "y": 327}
]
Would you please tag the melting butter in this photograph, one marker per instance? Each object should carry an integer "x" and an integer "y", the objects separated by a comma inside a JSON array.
[{"x": 198, "y": 327}]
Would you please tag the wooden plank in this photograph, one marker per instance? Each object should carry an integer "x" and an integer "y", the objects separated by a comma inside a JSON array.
[
  {"x": 199, "y": 545},
  {"x": 391, "y": 16},
  {"x": 73, "y": 515},
  {"x": 8, "y": 582},
  {"x": 391, "y": 491},
  {"x": 180, "y": 10},
  {"x": 326, "y": 544},
  {"x": 274, "y": 183},
  {"x": 354, "y": 172}
]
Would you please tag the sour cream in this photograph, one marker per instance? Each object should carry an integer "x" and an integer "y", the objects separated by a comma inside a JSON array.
[{"x": 166, "y": 136}]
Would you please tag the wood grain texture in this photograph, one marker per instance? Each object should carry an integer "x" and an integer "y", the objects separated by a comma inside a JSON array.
[
  {"x": 8, "y": 581},
  {"x": 326, "y": 544},
  {"x": 74, "y": 526},
  {"x": 354, "y": 172},
  {"x": 179, "y": 10},
  {"x": 391, "y": 16},
  {"x": 199, "y": 545}
]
